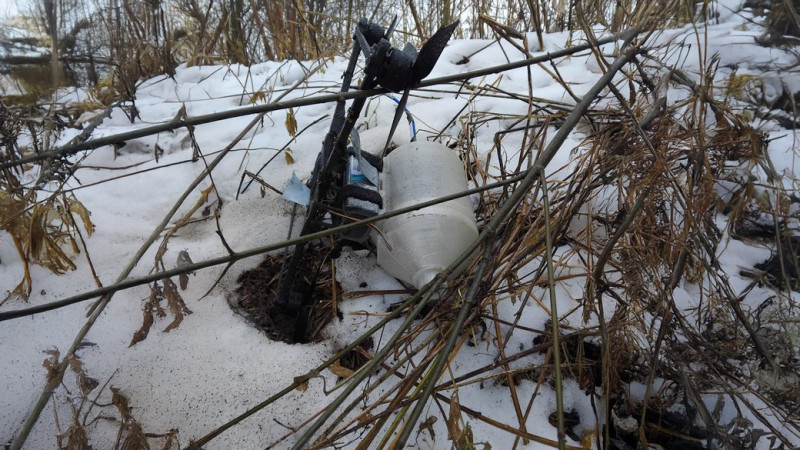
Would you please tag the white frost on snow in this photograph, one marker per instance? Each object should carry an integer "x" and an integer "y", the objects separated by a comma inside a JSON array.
[{"x": 216, "y": 365}]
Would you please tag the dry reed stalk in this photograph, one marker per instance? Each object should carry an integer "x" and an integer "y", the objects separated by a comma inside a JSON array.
[{"x": 647, "y": 188}]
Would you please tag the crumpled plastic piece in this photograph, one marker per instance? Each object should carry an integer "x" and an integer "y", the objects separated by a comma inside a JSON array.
[
  {"x": 367, "y": 169},
  {"x": 296, "y": 191}
]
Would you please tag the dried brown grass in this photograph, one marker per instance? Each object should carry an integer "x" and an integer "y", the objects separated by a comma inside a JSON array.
[{"x": 637, "y": 212}]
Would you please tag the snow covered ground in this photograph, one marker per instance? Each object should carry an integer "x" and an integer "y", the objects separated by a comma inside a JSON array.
[{"x": 216, "y": 365}]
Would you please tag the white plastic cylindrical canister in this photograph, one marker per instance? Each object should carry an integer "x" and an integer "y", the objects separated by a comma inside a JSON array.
[{"x": 415, "y": 246}]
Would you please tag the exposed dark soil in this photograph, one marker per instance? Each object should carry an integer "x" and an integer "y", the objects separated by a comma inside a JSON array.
[
  {"x": 782, "y": 269},
  {"x": 355, "y": 359},
  {"x": 255, "y": 297}
]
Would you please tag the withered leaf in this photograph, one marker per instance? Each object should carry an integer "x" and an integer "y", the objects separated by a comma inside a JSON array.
[
  {"x": 136, "y": 439},
  {"x": 303, "y": 380},
  {"x": 427, "y": 424},
  {"x": 162, "y": 249},
  {"x": 339, "y": 370},
  {"x": 287, "y": 155},
  {"x": 22, "y": 291},
  {"x": 172, "y": 439},
  {"x": 144, "y": 330},
  {"x": 88, "y": 383},
  {"x": 77, "y": 207},
  {"x": 462, "y": 439},
  {"x": 183, "y": 261},
  {"x": 40, "y": 232},
  {"x": 121, "y": 402},
  {"x": 51, "y": 363},
  {"x": 85, "y": 382},
  {"x": 183, "y": 280},
  {"x": 588, "y": 439},
  {"x": 258, "y": 96},
  {"x": 452, "y": 421},
  {"x": 77, "y": 439},
  {"x": 44, "y": 247},
  {"x": 465, "y": 440},
  {"x": 13, "y": 208},
  {"x": 176, "y": 305},
  {"x": 291, "y": 123},
  {"x": 158, "y": 151},
  {"x": 150, "y": 305}
]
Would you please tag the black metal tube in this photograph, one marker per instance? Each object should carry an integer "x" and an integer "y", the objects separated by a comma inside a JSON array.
[{"x": 330, "y": 161}]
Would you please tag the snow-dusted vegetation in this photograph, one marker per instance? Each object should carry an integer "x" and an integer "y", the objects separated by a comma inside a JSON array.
[{"x": 633, "y": 173}]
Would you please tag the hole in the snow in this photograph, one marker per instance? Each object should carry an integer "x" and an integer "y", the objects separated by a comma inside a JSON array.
[
  {"x": 255, "y": 295},
  {"x": 356, "y": 358}
]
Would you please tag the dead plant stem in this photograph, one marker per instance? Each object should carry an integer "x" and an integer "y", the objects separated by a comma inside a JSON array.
[
  {"x": 196, "y": 445},
  {"x": 500, "y": 217},
  {"x": 432, "y": 376},
  {"x": 279, "y": 105},
  {"x": 512, "y": 388},
  {"x": 428, "y": 290},
  {"x": 132, "y": 282},
  {"x": 98, "y": 307},
  {"x": 554, "y": 319},
  {"x": 389, "y": 371}
]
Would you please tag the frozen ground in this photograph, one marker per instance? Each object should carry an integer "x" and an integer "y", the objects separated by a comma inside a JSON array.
[{"x": 215, "y": 365}]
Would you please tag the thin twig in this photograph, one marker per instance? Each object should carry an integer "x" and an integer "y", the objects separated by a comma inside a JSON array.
[
  {"x": 494, "y": 225},
  {"x": 279, "y": 105},
  {"x": 100, "y": 305},
  {"x": 554, "y": 319},
  {"x": 103, "y": 302},
  {"x": 132, "y": 282}
]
